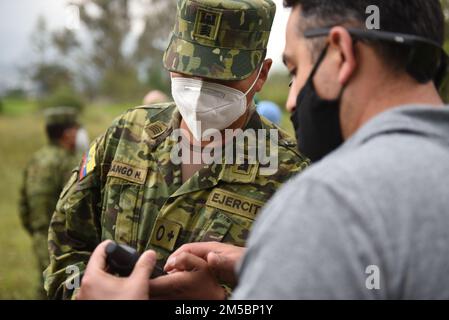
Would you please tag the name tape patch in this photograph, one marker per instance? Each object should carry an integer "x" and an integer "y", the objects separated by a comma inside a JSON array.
[
  {"x": 234, "y": 203},
  {"x": 127, "y": 172}
]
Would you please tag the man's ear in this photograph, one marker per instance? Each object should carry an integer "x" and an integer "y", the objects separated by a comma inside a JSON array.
[
  {"x": 263, "y": 75},
  {"x": 342, "y": 40}
]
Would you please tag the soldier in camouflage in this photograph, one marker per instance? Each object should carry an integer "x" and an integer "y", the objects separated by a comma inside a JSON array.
[
  {"x": 44, "y": 178},
  {"x": 129, "y": 190}
]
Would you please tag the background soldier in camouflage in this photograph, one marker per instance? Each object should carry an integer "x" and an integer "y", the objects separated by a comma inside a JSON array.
[
  {"x": 45, "y": 176},
  {"x": 129, "y": 190}
]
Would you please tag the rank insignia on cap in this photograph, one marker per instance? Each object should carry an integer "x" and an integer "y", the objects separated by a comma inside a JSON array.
[
  {"x": 88, "y": 163},
  {"x": 207, "y": 24}
]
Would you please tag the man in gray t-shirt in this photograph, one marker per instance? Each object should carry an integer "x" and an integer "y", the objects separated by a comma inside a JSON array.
[{"x": 370, "y": 220}]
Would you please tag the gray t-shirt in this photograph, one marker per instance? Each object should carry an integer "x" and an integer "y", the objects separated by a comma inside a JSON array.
[{"x": 375, "y": 213}]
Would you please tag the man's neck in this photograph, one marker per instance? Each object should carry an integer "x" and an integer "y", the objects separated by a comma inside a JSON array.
[{"x": 389, "y": 97}]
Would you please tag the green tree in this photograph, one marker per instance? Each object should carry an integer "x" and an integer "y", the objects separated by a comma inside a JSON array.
[
  {"x": 159, "y": 19},
  {"x": 65, "y": 41},
  {"x": 47, "y": 74},
  {"x": 109, "y": 24},
  {"x": 49, "y": 77},
  {"x": 115, "y": 62},
  {"x": 62, "y": 96},
  {"x": 40, "y": 39}
]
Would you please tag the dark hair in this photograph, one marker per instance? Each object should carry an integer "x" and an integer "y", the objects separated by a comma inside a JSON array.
[
  {"x": 56, "y": 131},
  {"x": 424, "y": 18}
]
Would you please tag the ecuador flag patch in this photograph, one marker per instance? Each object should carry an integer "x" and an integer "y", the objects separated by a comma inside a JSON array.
[{"x": 88, "y": 163}]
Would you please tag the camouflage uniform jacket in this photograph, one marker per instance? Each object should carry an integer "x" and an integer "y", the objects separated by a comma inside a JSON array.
[
  {"x": 44, "y": 179},
  {"x": 129, "y": 190}
]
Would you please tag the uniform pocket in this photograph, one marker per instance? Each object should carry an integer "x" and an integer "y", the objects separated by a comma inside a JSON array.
[
  {"x": 217, "y": 229},
  {"x": 122, "y": 203},
  {"x": 236, "y": 211}
]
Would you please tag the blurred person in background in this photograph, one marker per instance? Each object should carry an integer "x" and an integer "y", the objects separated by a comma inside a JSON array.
[
  {"x": 270, "y": 110},
  {"x": 45, "y": 176},
  {"x": 154, "y": 97}
]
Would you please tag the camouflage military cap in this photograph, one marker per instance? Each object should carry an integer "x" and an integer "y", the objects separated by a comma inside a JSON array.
[
  {"x": 61, "y": 116},
  {"x": 220, "y": 39}
]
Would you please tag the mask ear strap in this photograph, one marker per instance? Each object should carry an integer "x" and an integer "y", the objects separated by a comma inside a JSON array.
[
  {"x": 255, "y": 81},
  {"x": 318, "y": 63}
]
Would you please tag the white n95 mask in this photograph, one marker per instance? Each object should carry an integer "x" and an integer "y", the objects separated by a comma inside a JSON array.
[{"x": 205, "y": 105}]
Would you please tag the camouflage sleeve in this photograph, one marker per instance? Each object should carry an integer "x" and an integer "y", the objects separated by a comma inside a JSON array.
[
  {"x": 75, "y": 228},
  {"x": 291, "y": 163}
]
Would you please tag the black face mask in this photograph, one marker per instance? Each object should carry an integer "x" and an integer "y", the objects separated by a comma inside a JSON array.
[{"x": 316, "y": 120}]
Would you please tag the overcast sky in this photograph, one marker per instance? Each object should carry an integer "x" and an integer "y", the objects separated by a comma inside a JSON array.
[{"x": 18, "y": 18}]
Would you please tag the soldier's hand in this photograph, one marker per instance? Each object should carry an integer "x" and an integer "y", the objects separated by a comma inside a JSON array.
[
  {"x": 97, "y": 284},
  {"x": 221, "y": 258},
  {"x": 191, "y": 279}
]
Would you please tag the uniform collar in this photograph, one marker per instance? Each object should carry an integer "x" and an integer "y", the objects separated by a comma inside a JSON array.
[{"x": 211, "y": 175}]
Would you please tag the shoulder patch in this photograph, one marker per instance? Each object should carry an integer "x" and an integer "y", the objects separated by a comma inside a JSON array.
[
  {"x": 156, "y": 129},
  {"x": 234, "y": 203},
  {"x": 241, "y": 173},
  {"x": 88, "y": 164},
  {"x": 245, "y": 171}
]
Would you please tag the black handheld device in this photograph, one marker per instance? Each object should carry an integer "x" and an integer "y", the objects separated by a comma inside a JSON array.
[{"x": 121, "y": 260}]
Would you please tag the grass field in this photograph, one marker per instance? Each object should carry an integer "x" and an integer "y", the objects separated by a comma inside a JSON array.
[{"x": 21, "y": 134}]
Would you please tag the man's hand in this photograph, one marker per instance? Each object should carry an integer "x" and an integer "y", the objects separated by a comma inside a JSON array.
[
  {"x": 97, "y": 284},
  {"x": 189, "y": 279},
  {"x": 196, "y": 270},
  {"x": 221, "y": 259}
]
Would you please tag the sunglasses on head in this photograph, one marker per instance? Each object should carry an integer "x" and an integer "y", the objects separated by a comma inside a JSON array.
[{"x": 426, "y": 61}]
